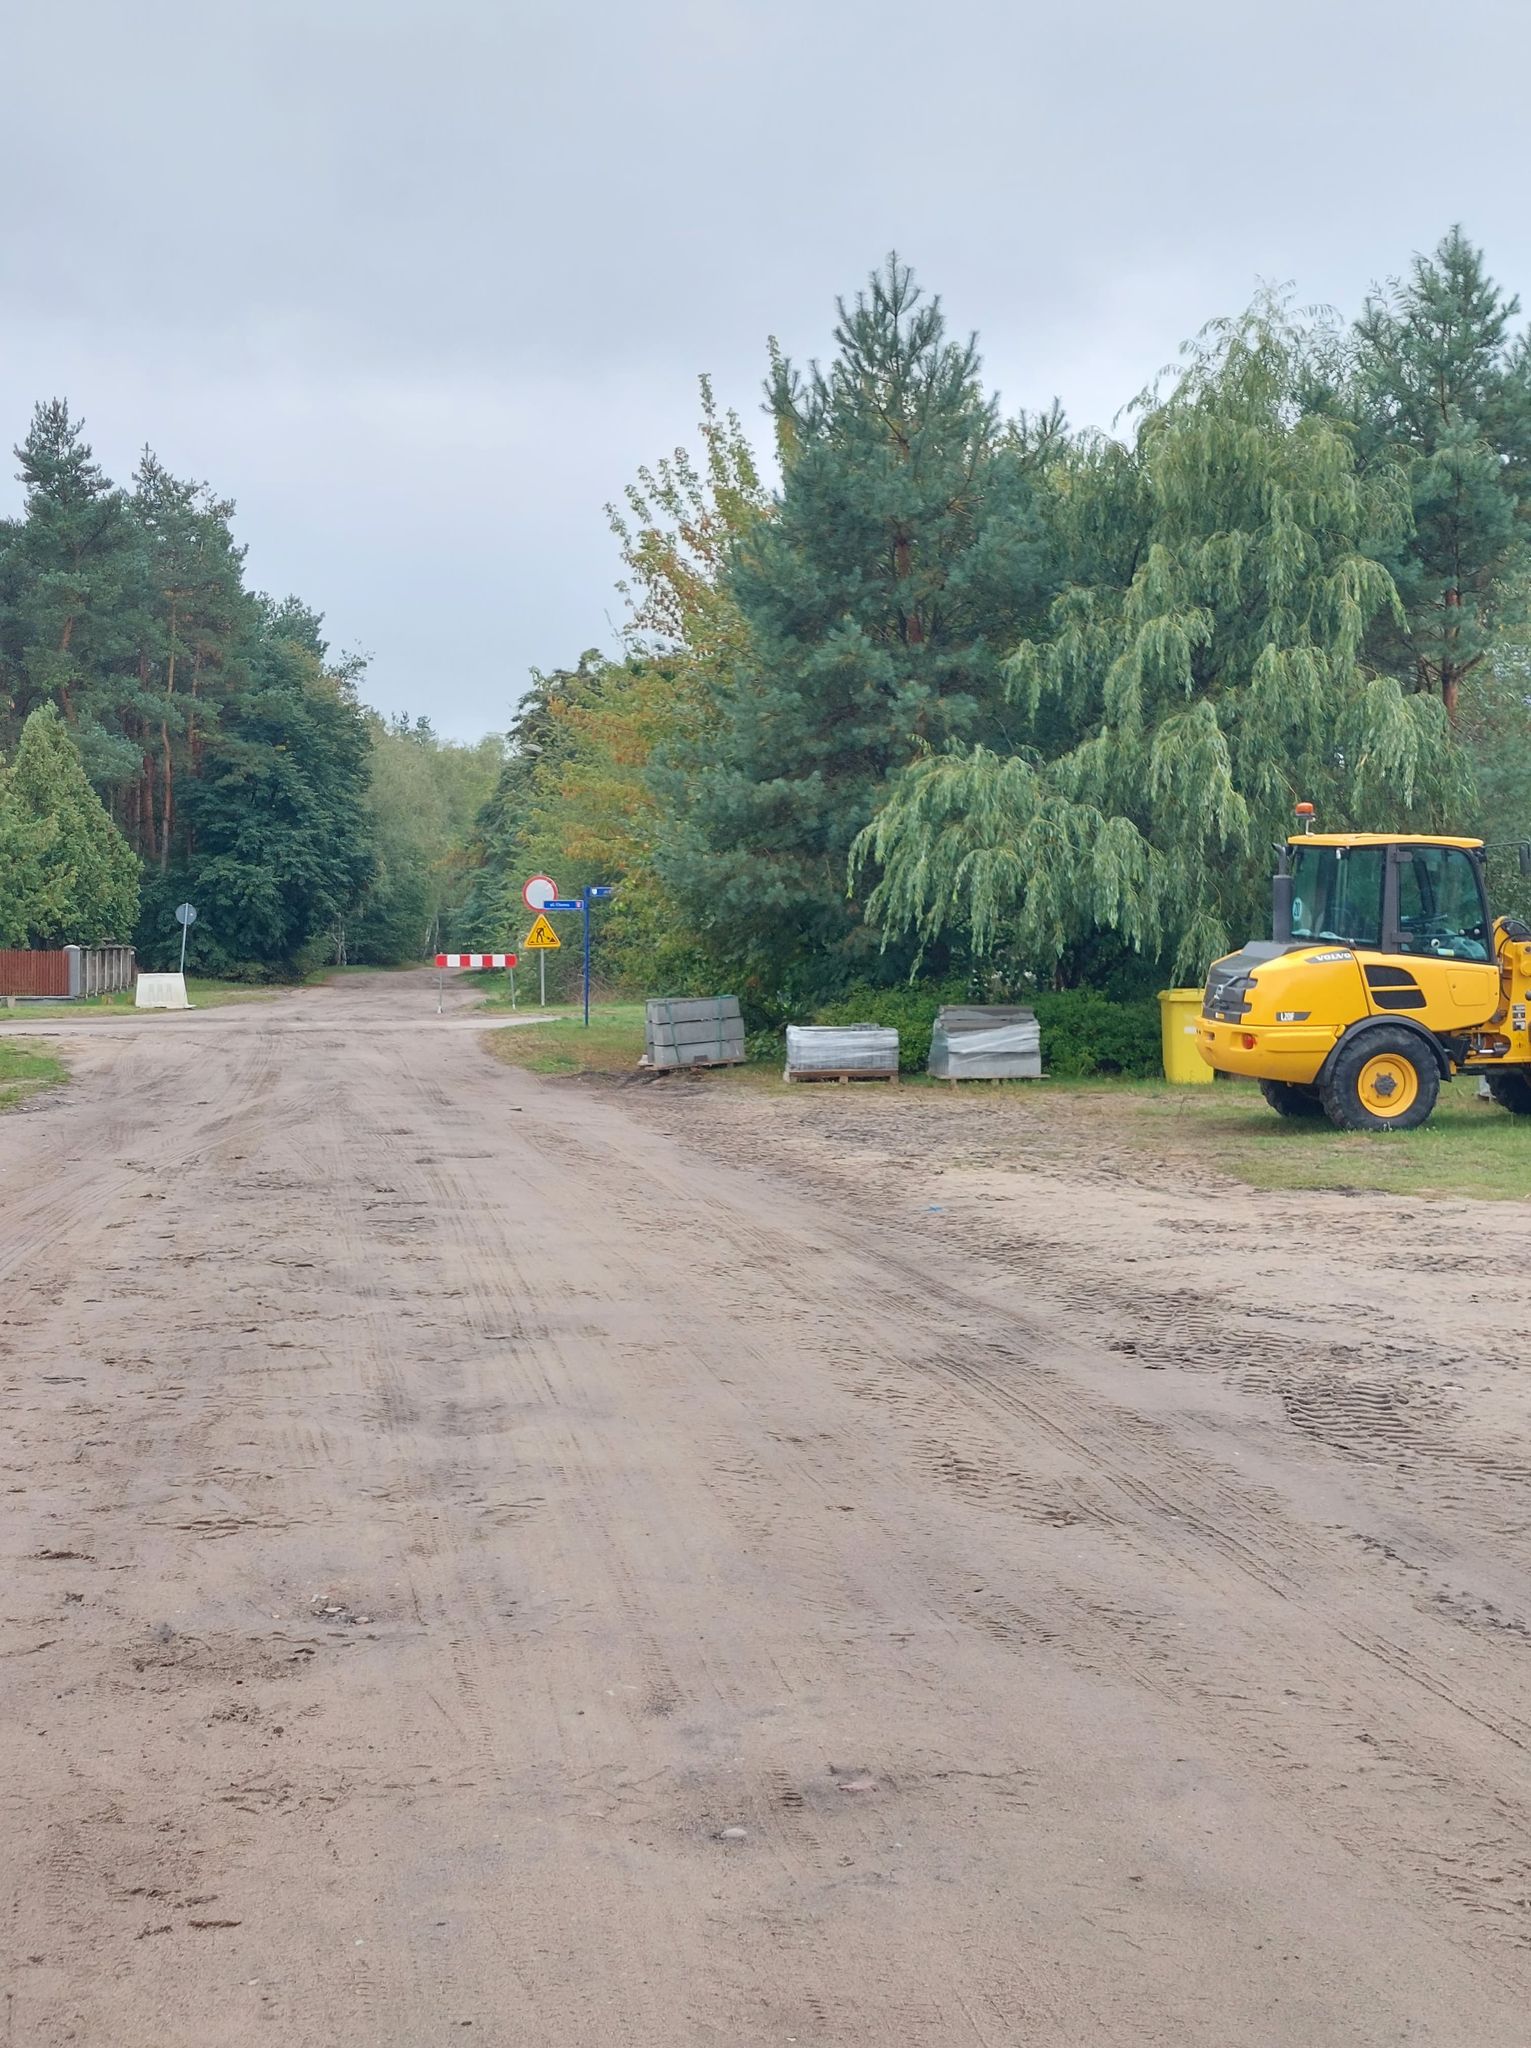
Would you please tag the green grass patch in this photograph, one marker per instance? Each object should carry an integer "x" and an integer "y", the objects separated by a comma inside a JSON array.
[
  {"x": 612, "y": 1045},
  {"x": 213, "y": 995},
  {"x": 23, "y": 1071},
  {"x": 1469, "y": 1148}
]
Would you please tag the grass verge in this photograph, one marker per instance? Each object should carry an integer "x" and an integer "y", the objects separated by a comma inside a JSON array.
[
  {"x": 1468, "y": 1149},
  {"x": 24, "y": 1072},
  {"x": 612, "y": 1045}
]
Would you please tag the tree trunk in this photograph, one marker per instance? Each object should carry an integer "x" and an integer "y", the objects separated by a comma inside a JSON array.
[
  {"x": 1451, "y": 675},
  {"x": 146, "y": 809},
  {"x": 167, "y": 805},
  {"x": 914, "y": 630}
]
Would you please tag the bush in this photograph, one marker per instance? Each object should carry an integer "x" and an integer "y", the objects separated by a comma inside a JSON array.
[{"x": 1085, "y": 1032}]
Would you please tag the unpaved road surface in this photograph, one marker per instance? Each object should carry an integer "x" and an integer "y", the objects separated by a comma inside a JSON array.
[{"x": 520, "y": 1563}]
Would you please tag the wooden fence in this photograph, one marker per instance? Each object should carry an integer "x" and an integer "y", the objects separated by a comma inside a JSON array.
[{"x": 65, "y": 973}]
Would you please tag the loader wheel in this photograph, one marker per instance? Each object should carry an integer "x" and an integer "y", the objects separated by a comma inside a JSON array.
[
  {"x": 1291, "y": 1098},
  {"x": 1383, "y": 1080},
  {"x": 1511, "y": 1090}
]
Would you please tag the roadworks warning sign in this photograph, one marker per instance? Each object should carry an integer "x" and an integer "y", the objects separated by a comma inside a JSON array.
[{"x": 541, "y": 938}]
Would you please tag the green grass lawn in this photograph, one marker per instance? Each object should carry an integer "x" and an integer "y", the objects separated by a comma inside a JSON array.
[
  {"x": 24, "y": 1071},
  {"x": 1469, "y": 1148},
  {"x": 612, "y": 1045}
]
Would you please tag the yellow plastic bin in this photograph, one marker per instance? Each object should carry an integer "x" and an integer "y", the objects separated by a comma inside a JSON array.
[{"x": 1179, "y": 1009}]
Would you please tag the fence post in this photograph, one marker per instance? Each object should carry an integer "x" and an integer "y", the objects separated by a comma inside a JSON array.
[{"x": 75, "y": 963}]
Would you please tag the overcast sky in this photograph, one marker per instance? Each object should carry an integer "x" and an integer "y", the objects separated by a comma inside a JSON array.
[{"x": 420, "y": 283}]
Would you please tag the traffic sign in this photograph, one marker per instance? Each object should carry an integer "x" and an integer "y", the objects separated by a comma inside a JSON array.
[
  {"x": 564, "y": 903},
  {"x": 185, "y": 917},
  {"x": 542, "y": 938},
  {"x": 600, "y": 891},
  {"x": 539, "y": 892}
]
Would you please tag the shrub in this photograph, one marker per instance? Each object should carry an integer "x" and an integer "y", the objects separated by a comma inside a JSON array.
[{"x": 1085, "y": 1032}]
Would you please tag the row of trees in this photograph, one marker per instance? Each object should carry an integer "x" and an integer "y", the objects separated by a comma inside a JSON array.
[
  {"x": 1000, "y": 700},
  {"x": 232, "y": 756}
]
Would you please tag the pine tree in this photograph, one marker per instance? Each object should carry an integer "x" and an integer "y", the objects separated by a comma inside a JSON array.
[
  {"x": 1205, "y": 670},
  {"x": 194, "y": 616},
  {"x": 66, "y": 578},
  {"x": 903, "y": 559},
  {"x": 85, "y": 890},
  {"x": 1444, "y": 390}
]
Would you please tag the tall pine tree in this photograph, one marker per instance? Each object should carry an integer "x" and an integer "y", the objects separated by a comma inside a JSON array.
[
  {"x": 904, "y": 559},
  {"x": 1444, "y": 390},
  {"x": 66, "y": 583}
]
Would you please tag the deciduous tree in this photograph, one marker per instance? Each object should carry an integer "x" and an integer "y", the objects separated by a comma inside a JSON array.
[{"x": 1204, "y": 668}]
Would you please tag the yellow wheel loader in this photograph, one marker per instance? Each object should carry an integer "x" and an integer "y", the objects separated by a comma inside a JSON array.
[{"x": 1385, "y": 974}]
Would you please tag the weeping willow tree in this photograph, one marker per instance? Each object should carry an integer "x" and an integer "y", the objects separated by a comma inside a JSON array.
[{"x": 1202, "y": 671}]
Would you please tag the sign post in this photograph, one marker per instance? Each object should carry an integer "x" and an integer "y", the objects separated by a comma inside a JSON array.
[
  {"x": 595, "y": 894},
  {"x": 542, "y": 940},
  {"x": 185, "y": 917},
  {"x": 537, "y": 892}
]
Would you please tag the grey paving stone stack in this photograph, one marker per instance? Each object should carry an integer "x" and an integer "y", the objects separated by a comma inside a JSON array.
[
  {"x": 990, "y": 1042},
  {"x": 693, "y": 1031},
  {"x": 841, "y": 1049}
]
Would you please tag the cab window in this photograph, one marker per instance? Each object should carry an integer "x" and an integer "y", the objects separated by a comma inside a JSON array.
[
  {"x": 1440, "y": 905},
  {"x": 1337, "y": 894}
]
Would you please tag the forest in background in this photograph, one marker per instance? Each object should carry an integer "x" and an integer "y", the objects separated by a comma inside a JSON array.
[
  {"x": 168, "y": 733},
  {"x": 958, "y": 701}
]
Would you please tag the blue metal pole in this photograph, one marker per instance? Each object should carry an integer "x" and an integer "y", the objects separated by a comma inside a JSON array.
[{"x": 584, "y": 904}]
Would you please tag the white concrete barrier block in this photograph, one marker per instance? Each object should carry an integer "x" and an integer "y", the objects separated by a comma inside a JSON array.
[{"x": 161, "y": 992}]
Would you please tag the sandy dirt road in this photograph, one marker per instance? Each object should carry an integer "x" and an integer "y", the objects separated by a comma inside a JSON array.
[{"x": 507, "y": 1562}]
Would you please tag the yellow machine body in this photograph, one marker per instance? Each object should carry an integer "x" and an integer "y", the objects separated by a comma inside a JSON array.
[{"x": 1386, "y": 931}]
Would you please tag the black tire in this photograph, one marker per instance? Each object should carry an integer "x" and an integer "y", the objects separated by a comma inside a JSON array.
[
  {"x": 1511, "y": 1089},
  {"x": 1374, "y": 1067},
  {"x": 1291, "y": 1098}
]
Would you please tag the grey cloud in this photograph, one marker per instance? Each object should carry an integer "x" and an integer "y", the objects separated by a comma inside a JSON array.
[{"x": 421, "y": 285}]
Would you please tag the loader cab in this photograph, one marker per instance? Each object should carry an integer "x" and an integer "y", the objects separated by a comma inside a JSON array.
[{"x": 1421, "y": 897}]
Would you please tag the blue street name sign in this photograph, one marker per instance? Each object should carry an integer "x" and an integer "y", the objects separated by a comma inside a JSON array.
[
  {"x": 601, "y": 889},
  {"x": 564, "y": 903}
]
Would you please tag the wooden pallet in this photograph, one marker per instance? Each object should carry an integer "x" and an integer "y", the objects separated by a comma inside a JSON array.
[
  {"x": 689, "y": 1066},
  {"x": 842, "y": 1074}
]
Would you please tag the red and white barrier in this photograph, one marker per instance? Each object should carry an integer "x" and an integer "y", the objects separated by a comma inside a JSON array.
[{"x": 475, "y": 959}]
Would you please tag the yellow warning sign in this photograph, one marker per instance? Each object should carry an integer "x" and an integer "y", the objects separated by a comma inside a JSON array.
[{"x": 541, "y": 938}]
